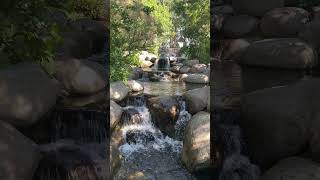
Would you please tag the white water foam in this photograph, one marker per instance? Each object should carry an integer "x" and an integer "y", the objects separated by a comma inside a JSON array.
[{"x": 160, "y": 141}]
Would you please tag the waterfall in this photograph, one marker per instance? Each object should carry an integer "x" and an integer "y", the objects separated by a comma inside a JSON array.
[
  {"x": 162, "y": 64},
  {"x": 235, "y": 165}
]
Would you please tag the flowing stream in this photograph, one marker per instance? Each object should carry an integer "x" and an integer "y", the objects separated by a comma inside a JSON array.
[{"x": 147, "y": 151}]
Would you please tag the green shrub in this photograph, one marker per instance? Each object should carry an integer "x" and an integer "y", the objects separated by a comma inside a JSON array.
[{"x": 26, "y": 34}]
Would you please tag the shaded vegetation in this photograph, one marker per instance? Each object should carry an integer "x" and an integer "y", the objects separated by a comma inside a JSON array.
[{"x": 26, "y": 32}]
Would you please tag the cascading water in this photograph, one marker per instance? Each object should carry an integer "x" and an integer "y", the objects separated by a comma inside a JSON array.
[
  {"x": 162, "y": 64},
  {"x": 148, "y": 150},
  {"x": 236, "y": 165}
]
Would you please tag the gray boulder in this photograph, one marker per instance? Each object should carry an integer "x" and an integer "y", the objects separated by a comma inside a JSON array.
[
  {"x": 197, "y": 99},
  {"x": 26, "y": 94},
  {"x": 81, "y": 76},
  {"x": 19, "y": 155},
  {"x": 293, "y": 168},
  {"x": 286, "y": 53},
  {"x": 284, "y": 22},
  {"x": 196, "y": 144},
  {"x": 118, "y": 91}
]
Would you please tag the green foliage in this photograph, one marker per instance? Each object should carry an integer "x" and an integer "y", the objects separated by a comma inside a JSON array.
[
  {"x": 136, "y": 26},
  {"x": 25, "y": 33},
  {"x": 193, "y": 18},
  {"x": 81, "y": 8}
]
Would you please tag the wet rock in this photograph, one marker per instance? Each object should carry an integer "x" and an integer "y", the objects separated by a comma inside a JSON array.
[
  {"x": 131, "y": 116},
  {"x": 198, "y": 68},
  {"x": 192, "y": 62},
  {"x": 115, "y": 160},
  {"x": 135, "y": 85},
  {"x": 145, "y": 64},
  {"x": 293, "y": 168},
  {"x": 197, "y": 78},
  {"x": 66, "y": 162},
  {"x": 19, "y": 155},
  {"x": 280, "y": 122},
  {"x": 141, "y": 137},
  {"x": 136, "y": 73},
  {"x": 196, "y": 144},
  {"x": 175, "y": 69},
  {"x": 225, "y": 9},
  {"x": 284, "y": 22},
  {"x": 81, "y": 101},
  {"x": 184, "y": 69},
  {"x": 183, "y": 77},
  {"x": 234, "y": 49},
  {"x": 118, "y": 91},
  {"x": 239, "y": 26},
  {"x": 115, "y": 114},
  {"x": 165, "y": 112},
  {"x": 310, "y": 33},
  {"x": 197, "y": 99},
  {"x": 256, "y": 8},
  {"x": 26, "y": 94},
  {"x": 287, "y": 53},
  {"x": 81, "y": 76}
]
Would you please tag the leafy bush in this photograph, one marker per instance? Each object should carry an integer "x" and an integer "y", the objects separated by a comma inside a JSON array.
[
  {"x": 193, "y": 18},
  {"x": 25, "y": 33},
  {"x": 136, "y": 26}
]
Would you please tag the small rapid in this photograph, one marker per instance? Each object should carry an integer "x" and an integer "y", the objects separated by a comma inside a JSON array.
[{"x": 146, "y": 146}]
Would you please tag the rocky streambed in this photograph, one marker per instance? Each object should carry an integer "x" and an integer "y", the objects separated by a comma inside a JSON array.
[
  {"x": 157, "y": 121},
  {"x": 265, "y": 58}
]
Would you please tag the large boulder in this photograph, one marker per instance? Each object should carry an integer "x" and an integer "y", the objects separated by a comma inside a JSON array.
[
  {"x": 254, "y": 7},
  {"x": 220, "y": 13},
  {"x": 81, "y": 76},
  {"x": 234, "y": 49},
  {"x": 196, "y": 143},
  {"x": 279, "y": 122},
  {"x": 239, "y": 26},
  {"x": 26, "y": 94},
  {"x": 293, "y": 168},
  {"x": 19, "y": 155},
  {"x": 198, "y": 68},
  {"x": 197, "y": 99},
  {"x": 197, "y": 78},
  {"x": 135, "y": 86},
  {"x": 118, "y": 91},
  {"x": 115, "y": 114},
  {"x": 192, "y": 62},
  {"x": 165, "y": 111},
  {"x": 287, "y": 53},
  {"x": 310, "y": 33},
  {"x": 184, "y": 69},
  {"x": 284, "y": 22}
]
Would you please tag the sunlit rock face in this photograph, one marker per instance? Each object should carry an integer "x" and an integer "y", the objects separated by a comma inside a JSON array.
[
  {"x": 197, "y": 78},
  {"x": 26, "y": 94},
  {"x": 197, "y": 99},
  {"x": 115, "y": 114},
  {"x": 19, "y": 156},
  {"x": 196, "y": 144},
  {"x": 135, "y": 86},
  {"x": 81, "y": 76},
  {"x": 118, "y": 91}
]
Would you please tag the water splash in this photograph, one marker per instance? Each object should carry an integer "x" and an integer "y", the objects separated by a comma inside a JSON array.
[{"x": 182, "y": 121}]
